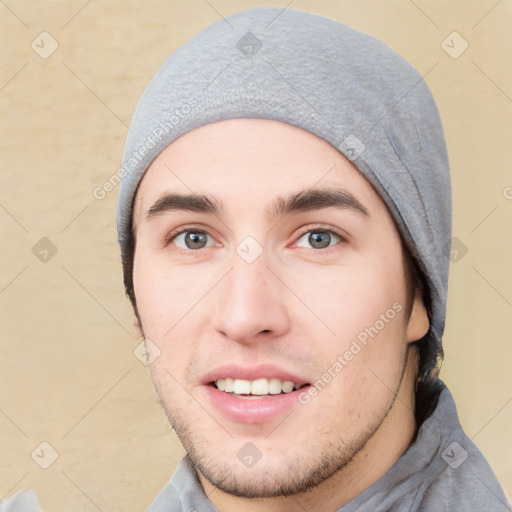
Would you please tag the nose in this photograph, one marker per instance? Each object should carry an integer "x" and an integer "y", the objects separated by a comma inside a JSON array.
[{"x": 251, "y": 302}]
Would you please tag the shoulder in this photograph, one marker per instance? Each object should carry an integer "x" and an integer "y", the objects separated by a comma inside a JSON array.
[
  {"x": 462, "y": 479},
  {"x": 470, "y": 486},
  {"x": 183, "y": 493}
]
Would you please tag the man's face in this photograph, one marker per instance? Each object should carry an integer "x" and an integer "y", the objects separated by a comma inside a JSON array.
[{"x": 250, "y": 293}]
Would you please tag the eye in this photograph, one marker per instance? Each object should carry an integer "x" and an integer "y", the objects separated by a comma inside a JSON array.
[
  {"x": 320, "y": 238},
  {"x": 189, "y": 239}
]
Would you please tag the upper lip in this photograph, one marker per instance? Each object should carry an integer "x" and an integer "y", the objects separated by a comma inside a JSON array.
[{"x": 252, "y": 373}]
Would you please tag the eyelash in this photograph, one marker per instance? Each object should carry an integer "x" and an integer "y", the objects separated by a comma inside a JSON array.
[{"x": 319, "y": 228}]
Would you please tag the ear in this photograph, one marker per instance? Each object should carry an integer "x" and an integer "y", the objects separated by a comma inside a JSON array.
[{"x": 418, "y": 320}]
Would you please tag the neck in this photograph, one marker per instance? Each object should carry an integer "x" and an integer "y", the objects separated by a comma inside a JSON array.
[{"x": 381, "y": 451}]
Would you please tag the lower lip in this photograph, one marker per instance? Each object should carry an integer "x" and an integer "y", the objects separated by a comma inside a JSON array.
[{"x": 252, "y": 410}]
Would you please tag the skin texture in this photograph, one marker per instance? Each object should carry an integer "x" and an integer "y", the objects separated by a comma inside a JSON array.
[{"x": 297, "y": 306}]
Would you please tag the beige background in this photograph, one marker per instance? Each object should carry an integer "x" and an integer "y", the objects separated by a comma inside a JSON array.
[{"x": 68, "y": 374}]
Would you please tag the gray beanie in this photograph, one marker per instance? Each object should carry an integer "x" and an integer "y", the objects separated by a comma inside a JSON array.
[{"x": 319, "y": 75}]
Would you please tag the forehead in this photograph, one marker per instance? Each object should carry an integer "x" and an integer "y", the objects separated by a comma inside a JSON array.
[{"x": 252, "y": 164}]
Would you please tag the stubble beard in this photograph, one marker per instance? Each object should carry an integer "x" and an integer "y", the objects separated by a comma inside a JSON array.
[{"x": 328, "y": 454}]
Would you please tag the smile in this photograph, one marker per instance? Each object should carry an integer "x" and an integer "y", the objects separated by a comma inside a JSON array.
[{"x": 260, "y": 387}]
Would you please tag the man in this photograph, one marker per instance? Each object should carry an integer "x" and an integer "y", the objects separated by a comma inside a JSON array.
[{"x": 284, "y": 220}]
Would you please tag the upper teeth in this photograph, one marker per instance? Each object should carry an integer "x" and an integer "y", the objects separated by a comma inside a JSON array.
[{"x": 262, "y": 386}]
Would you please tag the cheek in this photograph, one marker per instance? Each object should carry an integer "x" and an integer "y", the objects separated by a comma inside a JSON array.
[
  {"x": 163, "y": 303},
  {"x": 359, "y": 326},
  {"x": 346, "y": 299},
  {"x": 155, "y": 292},
  {"x": 170, "y": 299}
]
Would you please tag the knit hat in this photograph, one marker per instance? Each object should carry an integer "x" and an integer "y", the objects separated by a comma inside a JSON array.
[{"x": 339, "y": 84}]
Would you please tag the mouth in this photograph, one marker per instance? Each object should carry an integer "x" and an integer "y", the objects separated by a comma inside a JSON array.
[
  {"x": 258, "y": 388},
  {"x": 254, "y": 394},
  {"x": 245, "y": 404}
]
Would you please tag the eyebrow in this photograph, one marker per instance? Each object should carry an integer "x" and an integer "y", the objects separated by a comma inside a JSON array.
[{"x": 305, "y": 200}]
